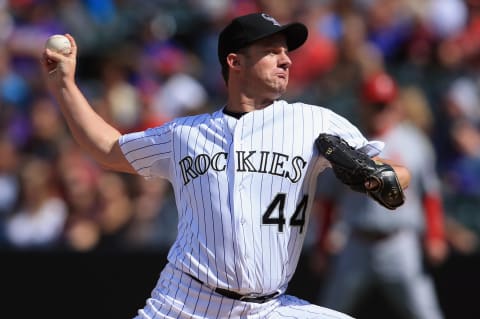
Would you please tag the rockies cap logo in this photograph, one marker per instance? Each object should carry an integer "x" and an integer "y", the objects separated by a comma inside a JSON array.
[{"x": 271, "y": 19}]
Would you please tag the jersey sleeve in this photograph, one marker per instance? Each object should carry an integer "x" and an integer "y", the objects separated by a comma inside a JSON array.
[
  {"x": 340, "y": 126},
  {"x": 431, "y": 192},
  {"x": 149, "y": 152}
]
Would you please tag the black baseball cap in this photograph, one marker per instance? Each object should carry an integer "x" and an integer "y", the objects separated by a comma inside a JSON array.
[{"x": 244, "y": 30}]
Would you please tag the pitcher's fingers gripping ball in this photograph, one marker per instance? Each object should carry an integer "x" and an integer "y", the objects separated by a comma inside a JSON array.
[
  {"x": 357, "y": 170},
  {"x": 60, "y": 44}
]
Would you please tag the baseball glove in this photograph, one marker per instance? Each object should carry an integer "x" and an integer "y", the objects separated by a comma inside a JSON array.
[{"x": 357, "y": 170}]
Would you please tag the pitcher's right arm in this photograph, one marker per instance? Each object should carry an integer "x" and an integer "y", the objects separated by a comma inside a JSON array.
[{"x": 94, "y": 135}]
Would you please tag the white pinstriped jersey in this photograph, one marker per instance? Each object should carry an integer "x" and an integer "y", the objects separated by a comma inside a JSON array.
[{"x": 243, "y": 188}]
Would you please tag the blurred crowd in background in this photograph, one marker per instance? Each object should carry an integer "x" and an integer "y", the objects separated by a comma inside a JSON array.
[{"x": 142, "y": 63}]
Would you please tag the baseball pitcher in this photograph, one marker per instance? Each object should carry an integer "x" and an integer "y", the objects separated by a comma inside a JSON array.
[{"x": 244, "y": 177}]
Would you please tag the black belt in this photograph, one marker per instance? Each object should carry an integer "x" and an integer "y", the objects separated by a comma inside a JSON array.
[
  {"x": 373, "y": 236},
  {"x": 233, "y": 295}
]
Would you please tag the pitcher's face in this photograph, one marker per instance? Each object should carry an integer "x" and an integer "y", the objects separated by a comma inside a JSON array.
[{"x": 266, "y": 67}]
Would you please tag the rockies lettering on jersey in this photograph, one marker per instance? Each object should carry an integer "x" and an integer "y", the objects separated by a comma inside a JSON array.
[{"x": 253, "y": 161}]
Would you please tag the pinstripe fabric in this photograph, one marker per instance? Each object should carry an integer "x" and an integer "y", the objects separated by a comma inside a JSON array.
[
  {"x": 177, "y": 296},
  {"x": 243, "y": 188}
]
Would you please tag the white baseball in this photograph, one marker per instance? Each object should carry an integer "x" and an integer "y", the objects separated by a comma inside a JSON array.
[{"x": 59, "y": 43}]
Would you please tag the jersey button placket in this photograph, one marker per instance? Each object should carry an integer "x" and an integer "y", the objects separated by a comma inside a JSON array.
[{"x": 238, "y": 195}]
